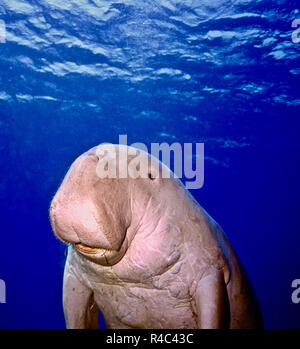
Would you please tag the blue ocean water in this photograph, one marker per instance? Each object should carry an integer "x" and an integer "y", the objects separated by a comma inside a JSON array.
[{"x": 74, "y": 74}]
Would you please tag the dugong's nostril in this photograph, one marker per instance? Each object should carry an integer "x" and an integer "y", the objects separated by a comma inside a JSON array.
[{"x": 93, "y": 156}]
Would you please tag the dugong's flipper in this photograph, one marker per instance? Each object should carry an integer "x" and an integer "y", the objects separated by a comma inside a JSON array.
[
  {"x": 212, "y": 301},
  {"x": 81, "y": 311}
]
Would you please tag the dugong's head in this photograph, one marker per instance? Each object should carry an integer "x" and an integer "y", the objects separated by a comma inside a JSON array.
[{"x": 104, "y": 197}]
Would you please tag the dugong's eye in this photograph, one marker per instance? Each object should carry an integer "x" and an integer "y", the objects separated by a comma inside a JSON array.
[{"x": 150, "y": 176}]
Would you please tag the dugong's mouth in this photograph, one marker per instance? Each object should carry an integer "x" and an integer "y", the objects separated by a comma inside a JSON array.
[
  {"x": 86, "y": 249},
  {"x": 100, "y": 255}
]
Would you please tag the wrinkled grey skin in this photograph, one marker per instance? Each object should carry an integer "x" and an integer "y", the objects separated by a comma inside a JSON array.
[{"x": 146, "y": 254}]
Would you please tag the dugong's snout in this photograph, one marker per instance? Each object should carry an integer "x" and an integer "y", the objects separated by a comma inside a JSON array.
[
  {"x": 92, "y": 213},
  {"x": 79, "y": 224},
  {"x": 86, "y": 226}
]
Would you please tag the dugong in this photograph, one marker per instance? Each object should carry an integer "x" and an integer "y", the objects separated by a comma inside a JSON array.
[{"x": 145, "y": 253}]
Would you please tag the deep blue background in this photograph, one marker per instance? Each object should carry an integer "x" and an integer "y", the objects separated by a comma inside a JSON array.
[{"x": 74, "y": 74}]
